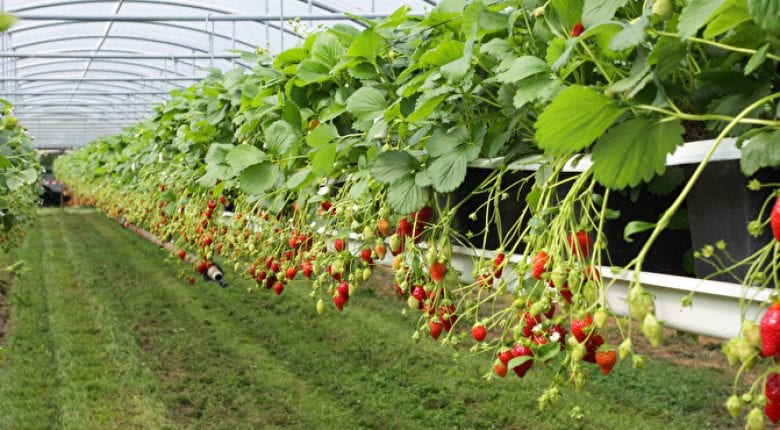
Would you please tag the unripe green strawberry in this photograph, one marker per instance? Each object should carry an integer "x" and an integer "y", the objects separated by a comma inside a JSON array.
[
  {"x": 578, "y": 352},
  {"x": 600, "y": 317},
  {"x": 624, "y": 349},
  {"x": 638, "y": 361},
  {"x": 730, "y": 352},
  {"x": 430, "y": 255},
  {"x": 368, "y": 234},
  {"x": 413, "y": 303},
  {"x": 653, "y": 330},
  {"x": 734, "y": 406},
  {"x": 320, "y": 306},
  {"x": 367, "y": 274},
  {"x": 558, "y": 276},
  {"x": 640, "y": 303},
  {"x": 663, "y": 8},
  {"x": 752, "y": 333},
  {"x": 755, "y": 420}
]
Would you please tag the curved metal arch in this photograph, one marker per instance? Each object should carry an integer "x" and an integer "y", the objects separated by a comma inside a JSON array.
[
  {"x": 95, "y": 86},
  {"x": 135, "y": 38},
  {"x": 185, "y": 4},
  {"x": 97, "y": 60},
  {"x": 15, "y": 30},
  {"x": 120, "y": 72}
]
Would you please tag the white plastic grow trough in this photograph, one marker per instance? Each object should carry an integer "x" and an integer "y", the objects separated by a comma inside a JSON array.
[{"x": 716, "y": 305}]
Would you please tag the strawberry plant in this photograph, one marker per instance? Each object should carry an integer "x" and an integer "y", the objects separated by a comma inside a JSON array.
[
  {"x": 323, "y": 158},
  {"x": 19, "y": 173}
]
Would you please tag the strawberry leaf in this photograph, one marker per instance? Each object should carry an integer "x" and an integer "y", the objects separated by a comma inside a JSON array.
[
  {"x": 392, "y": 165},
  {"x": 405, "y": 196},
  {"x": 765, "y": 13},
  {"x": 367, "y": 104},
  {"x": 695, "y": 15},
  {"x": 518, "y": 361},
  {"x": 635, "y": 150},
  {"x": 763, "y": 150},
  {"x": 255, "y": 180},
  {"x": 448, "y": 171},
  {"x": 576, "y": 118}
]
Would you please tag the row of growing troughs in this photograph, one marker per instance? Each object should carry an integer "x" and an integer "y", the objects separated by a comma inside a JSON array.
[{"x": 353, "y": 148}]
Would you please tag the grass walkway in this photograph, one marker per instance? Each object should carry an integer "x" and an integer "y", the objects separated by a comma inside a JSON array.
[{"x": 104, "y": 335}]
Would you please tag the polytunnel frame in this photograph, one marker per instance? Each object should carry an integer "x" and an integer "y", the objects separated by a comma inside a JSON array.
[{"x": 36, "y": 89}]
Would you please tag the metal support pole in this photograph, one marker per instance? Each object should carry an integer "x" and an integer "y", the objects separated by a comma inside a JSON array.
[
  {"x": 233, "y": 43},
  {"x": 281, "y": 24}
]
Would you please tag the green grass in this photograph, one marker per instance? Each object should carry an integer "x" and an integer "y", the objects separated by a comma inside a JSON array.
[{"x": 104, "y": 335}]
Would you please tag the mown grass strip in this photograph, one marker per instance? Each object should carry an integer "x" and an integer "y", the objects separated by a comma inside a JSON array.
[
  {"x": 203, "y": 357},
  {"x": 212, "y": 375},
  {"x": 28, "y": 383}
]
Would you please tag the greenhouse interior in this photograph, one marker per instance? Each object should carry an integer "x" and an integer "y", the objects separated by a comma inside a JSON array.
[{"x": 460, "y": 214}]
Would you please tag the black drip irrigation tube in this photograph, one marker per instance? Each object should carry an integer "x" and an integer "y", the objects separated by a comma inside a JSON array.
[{"x": 214, "y": 273}]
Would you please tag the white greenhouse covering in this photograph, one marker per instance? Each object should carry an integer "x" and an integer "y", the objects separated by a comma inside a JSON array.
[{"x": 78, "y": 69}]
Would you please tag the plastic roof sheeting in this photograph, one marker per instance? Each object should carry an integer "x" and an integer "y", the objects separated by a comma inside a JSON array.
[{"x": 74, "y": 74}]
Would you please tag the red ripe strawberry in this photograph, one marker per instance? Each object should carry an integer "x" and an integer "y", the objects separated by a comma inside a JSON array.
[
  {"x": 566, "y": 292},
  {"x": 606, "y": 360},
  {"x": 579, "y": 327},
  {"x": 325, "y": 205},
  {"x": 538, "y": 264},
  {"x": 770, "y": 331},
  {"x": 307, "y": 269},
  {"x": 278, "y": 288},
  {"x": 577, "y": 29},
  {"x": 365, "y": 255},
  {"x": 252, "y": 271},
  {"x": 270, "y": 281},
  {"x": 499, "y": 369},
  {"x": 339, "y": 245},
  {"x": 343, "y": 289},
  {"x": 261, "y": 275},
  {"x": 774, "y": 219},
  {"x": 275, "y": 267},
  {"x": 529, "y": 323},
  {"x": 436, "y": 328},
  {"x": 522, "y": 351},
  {"x": 479, "y": 332},
  {"x": 485, "y": 280},
  {"x": 772, "y": 388},
  {"x": 339, "y": 301},
  {"x": 447, "y": 316},
  {"x": 162, "y": 188},
  {"x": 404, "y": 227},
  {"x": 504, "y": 356},
  {"x": 591, "y": 346},
  {"x": 498, "y": 262},
  {"x": 219, "y": 249},
  {"x": 182, "y": 254},
  {"x": 222, "y": 200},
  {"x": 580, "y": 248},
  {"x": 418, "y": 293},
  {"x": 291, "y": 272},
  {"x": 438, "y": 270},
  {"x": 192, "y": 280},
  {"x": 288, "y": 255},
  {"x": 294, "y": 242},
  {"x": 268, "y": 262},
  {"x": 772, "y": 411},
  {"x": 211, "y": 204},
  {"x": 207, "y": 241}
]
